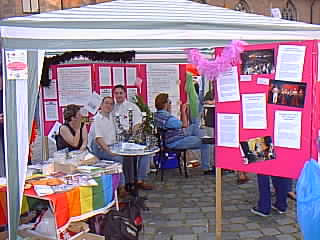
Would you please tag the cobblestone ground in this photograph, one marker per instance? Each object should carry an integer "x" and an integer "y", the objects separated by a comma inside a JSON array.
[{"x": 184, "y": 209}]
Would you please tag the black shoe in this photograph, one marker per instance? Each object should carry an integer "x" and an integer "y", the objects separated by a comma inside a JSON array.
[
  {"x": 226, "y": 172},
  {"x": 259, "y": 213},
  {"x": 209, "y": 172}
]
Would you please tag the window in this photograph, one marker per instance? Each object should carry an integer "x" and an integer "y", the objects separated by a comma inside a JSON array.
[
  {"x": 30, "y": 6},
  {"x": 242, "y": 6},
  {"x": 290, "y": 11}
]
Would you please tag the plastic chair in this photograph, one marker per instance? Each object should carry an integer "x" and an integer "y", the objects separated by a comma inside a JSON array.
[{"x": 164, "y": 152}]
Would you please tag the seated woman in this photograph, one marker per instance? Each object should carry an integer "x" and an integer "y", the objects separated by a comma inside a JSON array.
[
  {"x": 72, "y": 134},
  {"x": 176, "y": 136},
  {"x": 103, "y": 134}
]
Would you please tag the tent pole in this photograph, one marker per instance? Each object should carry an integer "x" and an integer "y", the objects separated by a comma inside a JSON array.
[
  {"x": 218, "y": 204},
  {"x": 11, "y": 146},
  {"x": 44, "y": 139}
]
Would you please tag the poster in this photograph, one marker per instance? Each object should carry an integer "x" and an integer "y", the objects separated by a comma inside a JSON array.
[
  {"x": 17, "y": 64},
  {"x": 290, "y": 63},
  {"x": 51, "y": 91},
  {"x": 131, "y": 93},
  {"x": 164, "y": 78},
  {"x": 118, "y": 76},
  {"x": 106, "y": 92},
  {"x": 287, "y": 93},
  {"x": 74, "y": 85},
  {"x": 105, "y": 76},
  {"x": 228, "y": 86},
  {"x": 228, "y": 130},
  {"x": 287, "y": 129},
  {"x": 258, "y": 149},
  {"x": 257, "y": 61},
  {"x": 51, "y": 110},
  {"x": 254, "y": 111},
  {"x": 131, "y": 76}
]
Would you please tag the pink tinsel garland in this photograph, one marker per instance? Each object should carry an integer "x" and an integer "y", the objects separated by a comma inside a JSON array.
[{"x": 211, "y": 69}]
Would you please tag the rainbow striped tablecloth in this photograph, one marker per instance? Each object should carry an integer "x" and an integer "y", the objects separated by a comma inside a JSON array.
[{"x": 75, "y": 205}]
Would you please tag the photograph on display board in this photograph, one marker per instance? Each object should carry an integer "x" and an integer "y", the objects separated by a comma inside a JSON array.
[
  {"x": 287, "y": 93},
  {"x": 258, "y": 62},
  {"x": 257, "y": 150}
]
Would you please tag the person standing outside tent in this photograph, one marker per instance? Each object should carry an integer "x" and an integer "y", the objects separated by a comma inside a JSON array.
[
  {"x": 121, "y": 108},
  {"x": 264, "y": 206}
]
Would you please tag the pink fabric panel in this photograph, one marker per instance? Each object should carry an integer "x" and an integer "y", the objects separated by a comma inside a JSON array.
[{"x": 289, "y": 161}]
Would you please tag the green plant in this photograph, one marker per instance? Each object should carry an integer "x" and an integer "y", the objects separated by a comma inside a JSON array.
[{"x": 148, "y": 121}]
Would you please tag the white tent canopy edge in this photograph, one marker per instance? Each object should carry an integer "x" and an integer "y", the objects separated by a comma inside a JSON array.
[{"x": 132, "y": 24}]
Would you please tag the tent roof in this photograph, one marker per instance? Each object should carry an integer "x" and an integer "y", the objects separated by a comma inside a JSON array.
[{"x": 147, "y": 24}]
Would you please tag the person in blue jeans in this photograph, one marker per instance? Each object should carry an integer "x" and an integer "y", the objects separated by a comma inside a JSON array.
[
  {"x": 103, "y": 134},
  {"x": 178, "y": 135},
  {"x": 264, "y": 206}
]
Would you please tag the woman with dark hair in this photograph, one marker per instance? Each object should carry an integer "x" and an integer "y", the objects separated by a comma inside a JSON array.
[{"x": 72, "y": 134}]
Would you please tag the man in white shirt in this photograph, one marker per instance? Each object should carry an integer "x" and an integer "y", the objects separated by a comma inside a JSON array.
[{"x": 121, "y": 108}]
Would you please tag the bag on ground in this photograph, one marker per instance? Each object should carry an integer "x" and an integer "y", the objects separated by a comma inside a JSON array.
[{"x": 126, "y": 223}]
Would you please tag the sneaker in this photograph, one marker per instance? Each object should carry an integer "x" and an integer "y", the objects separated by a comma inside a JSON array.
[
  {"x": 257, "y": 212},
  {"x": 278, "y": 210}
]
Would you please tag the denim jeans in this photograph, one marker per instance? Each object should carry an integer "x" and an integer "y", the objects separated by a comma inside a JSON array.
[
  {"x": 142, "y": 161},
  {"x": 281, "y": 186},
  {"x": 192, "y": 140},
  {"x": 143, "y": 167}
]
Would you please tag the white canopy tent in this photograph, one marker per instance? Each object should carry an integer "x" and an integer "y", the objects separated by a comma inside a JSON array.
[{"x": 117, "y": 25}]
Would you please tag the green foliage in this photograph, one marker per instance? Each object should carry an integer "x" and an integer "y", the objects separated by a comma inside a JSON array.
[{"x": 148, "y": 125}]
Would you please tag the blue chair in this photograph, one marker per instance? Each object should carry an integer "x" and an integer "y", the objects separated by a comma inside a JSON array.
[{"x": 165, "y": 152}]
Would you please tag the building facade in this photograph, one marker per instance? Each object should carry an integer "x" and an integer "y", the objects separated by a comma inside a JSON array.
[{"x": 296, "y": 10}]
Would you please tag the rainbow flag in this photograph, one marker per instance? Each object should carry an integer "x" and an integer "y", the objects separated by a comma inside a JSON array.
[{"x": 76, "y": 202}]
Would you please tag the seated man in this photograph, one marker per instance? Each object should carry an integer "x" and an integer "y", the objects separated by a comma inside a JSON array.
[
  {"x": 176, "y": 136},
  {"x": 121, "y": 108},
  {"x": 73, "y": 133}
]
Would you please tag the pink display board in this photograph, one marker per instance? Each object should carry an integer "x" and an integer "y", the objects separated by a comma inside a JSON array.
[
  {"x": 103, "y": 79},
  {"x": 96, "y": 85},
  {"x": 288, "y": 162}
]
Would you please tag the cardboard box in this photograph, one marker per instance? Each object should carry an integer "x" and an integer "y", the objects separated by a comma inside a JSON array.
[{"x": 88, "y": 236}]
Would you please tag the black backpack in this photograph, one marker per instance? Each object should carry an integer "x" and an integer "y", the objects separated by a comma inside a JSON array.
[{"x": 126, "y": 223}]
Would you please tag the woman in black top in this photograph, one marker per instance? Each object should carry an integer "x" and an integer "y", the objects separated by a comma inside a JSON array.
[{"x": 72, "y": 134}]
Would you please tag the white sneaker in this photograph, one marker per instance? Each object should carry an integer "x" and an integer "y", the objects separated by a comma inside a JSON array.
[{"x": 278, "y": 210}]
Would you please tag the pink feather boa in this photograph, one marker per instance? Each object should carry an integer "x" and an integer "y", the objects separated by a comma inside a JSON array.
[{"x": 211, "y": 69}]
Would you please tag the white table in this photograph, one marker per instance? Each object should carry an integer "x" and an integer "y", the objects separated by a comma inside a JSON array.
[{"x": 130, "y": 164}]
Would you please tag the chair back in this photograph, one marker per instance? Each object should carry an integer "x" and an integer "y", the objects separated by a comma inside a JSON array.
[{"x": 161, "y": 135}]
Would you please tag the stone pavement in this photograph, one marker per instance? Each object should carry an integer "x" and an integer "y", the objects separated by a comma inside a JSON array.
[{"x": 184, "y": 209}]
